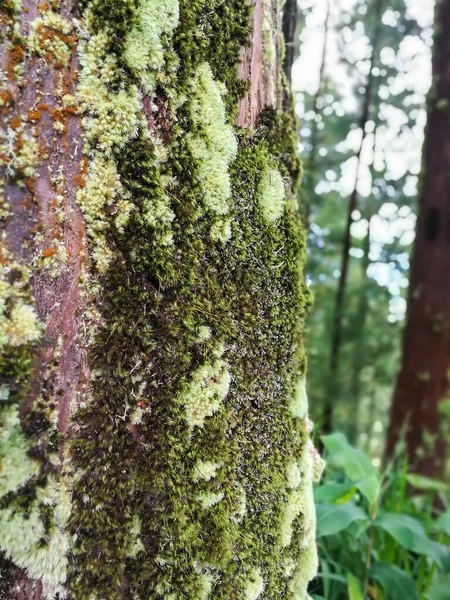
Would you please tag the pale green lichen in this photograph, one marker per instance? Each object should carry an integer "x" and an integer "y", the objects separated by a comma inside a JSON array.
[
  {"x": 215, "y": 145},
  {"x": 144, "y": 46},
  {"x": 306, "y": 570},
  {"x": 205, "y": 470},
  {"x": 294, "y": 476},
  {"x": 254, "y": 586},
  {"x": 24, "y": 531},
  {"x": 16, "y": 468},
  {"x": 271, "y": 194},
  {"x": 206, "y": 391},
  {"x": 298, "y": 405},
  {"x": 49, "y": 35},
  {"x": 19, "y": 323},
  {"x": 203, "y": 333},
  {"x": 19, "y": 154},
  {"x": 136, "y": 545},
  {"x": 209, "y": 499}
]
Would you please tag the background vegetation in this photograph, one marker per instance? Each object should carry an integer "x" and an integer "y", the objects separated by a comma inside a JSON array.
[{"x": 361, "y": 83}]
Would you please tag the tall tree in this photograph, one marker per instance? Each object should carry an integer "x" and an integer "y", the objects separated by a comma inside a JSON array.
[
  {"x": 154, "y": 439},
  {"x": 422, "y": 394},
  {"x": 337, "y": 333}
]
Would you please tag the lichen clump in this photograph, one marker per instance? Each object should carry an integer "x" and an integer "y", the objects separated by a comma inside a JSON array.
[{"x": 50, "y": 38}]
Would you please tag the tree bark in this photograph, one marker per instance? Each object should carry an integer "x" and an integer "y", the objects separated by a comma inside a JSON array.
[
  {"x": 422, "y": 395},
  {"x": 154, "y": 439}
]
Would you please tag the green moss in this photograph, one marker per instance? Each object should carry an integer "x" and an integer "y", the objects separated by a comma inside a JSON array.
[{"x": 195, "y": 346}]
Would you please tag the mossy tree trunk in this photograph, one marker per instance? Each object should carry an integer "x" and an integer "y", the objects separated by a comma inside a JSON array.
[
  {"x": 421, "y": 403},
  {"x": 154, "y": 439}
]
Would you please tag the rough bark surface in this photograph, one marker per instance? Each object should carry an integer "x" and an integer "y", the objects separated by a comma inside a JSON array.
[
  {"x": 154, "y": 439},
  {"x": 421, "y": 403}
]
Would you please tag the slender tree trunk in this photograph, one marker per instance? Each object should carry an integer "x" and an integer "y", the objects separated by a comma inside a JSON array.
[
  {"x": 310, "y": 166},
  {"x": 358, "y": 362},
  {"x": 289, "y": 28},
  {"x": 422, "y": 396},
  {"x": 359, "y": 357},
  {"x": 336, "y": 334},
  {"x": 154, "y": 440}
]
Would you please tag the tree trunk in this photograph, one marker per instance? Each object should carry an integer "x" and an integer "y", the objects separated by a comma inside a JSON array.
[
  {"x": 309, "y": 179},
  {"x": 336, "y": 334},
  {"x": 154, "y": 440},
  {"x": 422, "y": 395},
  {"x": 289, "y": 30}
]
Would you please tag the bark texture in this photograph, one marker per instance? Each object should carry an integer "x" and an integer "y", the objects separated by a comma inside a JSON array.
[
  {"x": 154, "y": 439},
  {"x": 421, "y": 403}
]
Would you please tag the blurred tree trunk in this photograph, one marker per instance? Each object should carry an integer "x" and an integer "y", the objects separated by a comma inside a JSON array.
[
  {"x": 310, "y": 176},
  {"x": 154, "y": 440},
  {"x": 339, "y": 309},
  {"x": 289, "y": 28},
  {"x": 422, "y": 396}
]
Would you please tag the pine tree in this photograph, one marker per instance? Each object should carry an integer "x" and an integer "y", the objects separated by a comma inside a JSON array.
[{"x": 154, "y": 439}]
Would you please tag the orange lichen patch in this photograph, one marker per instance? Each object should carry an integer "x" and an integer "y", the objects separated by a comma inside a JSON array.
[
  {"x": 31, "y": 182},
  {"x": 79, "y": 178},
  {"x": 55, "y": 46},
  {"x": 34, "y": 116},
  {"x": 48, "y": 252},
  {"x": 15, "y": 123},
  {"x": 15, "y": 57},
  {"x": 5, "y": 98},
  {"x": 42, "y": 106},
  {"x": 57, "y": 113},
  {"x": 43, "y": 6}
]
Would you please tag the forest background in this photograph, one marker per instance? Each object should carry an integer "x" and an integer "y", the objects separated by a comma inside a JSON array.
[{"x": 361, "y": 81}]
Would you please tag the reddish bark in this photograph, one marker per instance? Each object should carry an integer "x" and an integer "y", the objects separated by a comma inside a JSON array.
[
  {"x": 262, "y": 77},
  {"x": 35, "y": 230},
  {"x": 423, "y": 381}
]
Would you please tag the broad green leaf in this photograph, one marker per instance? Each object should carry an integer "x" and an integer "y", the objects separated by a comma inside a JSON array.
[
  {"x": 332, "y": 518},
  {"x": 356, "y": 464},
  {"x": 337, "y": 493},
  {"x": 439, "y": 591},
  {"x": 425, "y": 483},
  {"x": 397, "y": 584},
  {"x": 354, "y": 588},
  {"x": 316, "y": 597},
  {"x": 410, "y": 534},
  {"x": 442, "y": 523}
]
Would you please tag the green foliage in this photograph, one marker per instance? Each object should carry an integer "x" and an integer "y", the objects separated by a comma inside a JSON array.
[{"x": 390, "y": 544}]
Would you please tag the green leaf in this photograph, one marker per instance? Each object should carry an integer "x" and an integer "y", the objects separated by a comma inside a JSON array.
[
  {"x": 356, "y": 464},
  {"x": 397, "y": 584},
  {"x": 332, "y": 518},
  {"x": 439, "y": 591},
  {"x": 442, "y": 523},
  {"x": 316, "y": 597},
  {"x": 425, "y": 483},
  {"x": 337, "y": 493},
  {"x": 410, "y": 534},
  {"x": 354, "y": 588}
]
